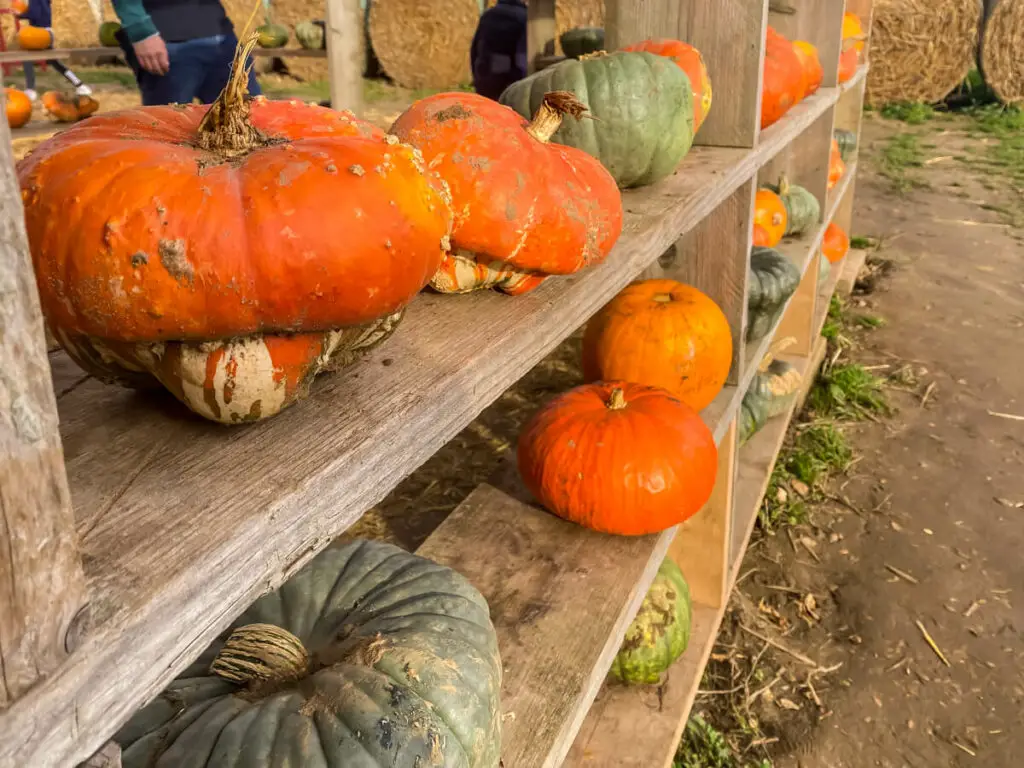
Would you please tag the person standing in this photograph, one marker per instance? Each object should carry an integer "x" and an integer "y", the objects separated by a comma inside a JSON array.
[
  {"x": 179, "y": 50},
  {"x": 37, "y": 13},
  {"x": 498, "y": 53}
]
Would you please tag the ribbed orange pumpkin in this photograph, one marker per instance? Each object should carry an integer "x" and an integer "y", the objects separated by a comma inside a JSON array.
[
  {"x": 836, "y": 166},
  {"x": 664, "y": 334},
  {"x": 692, "y": 63},
  {"x": 619, "y": 457},
  {"x": 18, "y": 106},
  {"x": 835, "y": 244},
  {"x": 67, "y": 109},
  {"x": 770, "y": 213},
  {"x": 782, "y": 78},
  {"x": 811, "y": 67},
  {"x": 35, "y": 38}
]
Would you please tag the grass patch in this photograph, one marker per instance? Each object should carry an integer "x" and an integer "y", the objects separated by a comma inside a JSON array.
[
  {"x": 835, "y": 320},
  {"x": 863, "y": 243},
  {"x": 901, "y": 155},
  {"x": 704, "y": 747},
  {"x": 848, "y": 392},
  {"x": 869, "y": 321},
  {"x": 910, "y": 112},
  {"x": 1006, "y": 125}
]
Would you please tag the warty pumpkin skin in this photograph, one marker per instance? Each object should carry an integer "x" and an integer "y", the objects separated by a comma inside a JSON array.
[
  {"x": 383, "y": 660},
  {"x": 619, "y": 457},
  {"x": 642, "y": 106},
  {"x": 524, "y": 208},
  {"x": 835, "y": 244},
  {"x": 810, "y": 65},
  {"x": 782, "y": 78},
  {"x": 802, "y": 208},
  {"x": 770, "y": 213},
  {"x": 18, "y": 106},
  {"x": 310, "y": 35},
  {"x": 34, "y": 38},
  {"x": 692, "y": 63},
  {"x": 664, "y": 334}
]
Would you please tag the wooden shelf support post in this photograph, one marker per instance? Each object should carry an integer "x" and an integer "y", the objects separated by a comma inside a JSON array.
[
  {"x": 42, "y": 587},
  {"x": 540, "y": 32},
  {"x": 345, "y": 57}
]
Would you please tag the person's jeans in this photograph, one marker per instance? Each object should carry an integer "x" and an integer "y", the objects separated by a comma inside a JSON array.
[{"x": 199, "y": 68}]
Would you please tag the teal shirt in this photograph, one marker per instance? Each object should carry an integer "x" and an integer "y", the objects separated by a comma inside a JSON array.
[{"x": 134, "y": 20}]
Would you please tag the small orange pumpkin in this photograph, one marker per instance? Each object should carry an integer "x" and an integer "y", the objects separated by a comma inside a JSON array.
[
  {"x": 19, "y": 7},
  {"x": 619, "y": 457},
  {"x": 782, "y": 78},
  {"x": 692, "y": 63},
  {"x": 810, "y": 65},
  {"x": 35, "y": 38},
  {"x": 760, "y": 236},
  {"x": 836, "y": 166},
  {"x": 853, "y": 30},
  {"x": 19, "y": 107},
  {"x": 664, "y": 334},
  {"x": 770, "y": 213},
  {"x": 68, "y": 109},
  {"x": 848, "y": 63},
  {"x": 835, "y": 244}
]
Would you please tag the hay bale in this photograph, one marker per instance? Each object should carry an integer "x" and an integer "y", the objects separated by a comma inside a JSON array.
[
  {"x": 76, "y": 23},
  {"x": 1002, "y": 49},
  {"x": 921, "y": 50},
  {"x": 424, "y": 43}
]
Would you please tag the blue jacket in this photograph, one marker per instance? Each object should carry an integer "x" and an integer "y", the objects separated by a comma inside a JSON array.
[
  {"x": 38, "y": 13},
  {"x": 498, "y": 54}
]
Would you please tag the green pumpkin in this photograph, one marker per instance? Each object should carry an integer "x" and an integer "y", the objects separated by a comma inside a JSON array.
[
  {"x": 642, "y": 105},
  {"x": 771, "y": 392},
  {"x": 272, "y": 36},
  {"x": 847, "y": 141},
  {"x": 368, "y": 657},
  {"x": 108, "y": 34},
  {"x": 773, "y": 279},
  {"x": 803, "y": 211},
  {"x": 824, "y": 270},
  {"x": 660, "y": 632},
  {"x": 581, "y": 41},
  {"x": 310, "y": 35}
]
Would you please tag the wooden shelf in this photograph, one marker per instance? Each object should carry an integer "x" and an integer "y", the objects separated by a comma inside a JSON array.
[{"x": 59, "y": 54}]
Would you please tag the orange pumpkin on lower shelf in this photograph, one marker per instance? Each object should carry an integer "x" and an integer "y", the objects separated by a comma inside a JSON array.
[
  {"x": 619, "y": 458},
  {"x": 836, "y": 166},
  {"x": 835, "y": 244},
  {"x": 18, "y": 106},
  {"x": 770, "y": 214},
  {"x": 664, "y": 334},
  {"x": 68, "y": 109}
]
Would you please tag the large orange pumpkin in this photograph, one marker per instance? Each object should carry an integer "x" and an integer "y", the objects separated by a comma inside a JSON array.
[
  {"x": 770, "y": 214},
  {"x": 664, "y": 334},
  {"x": 229, "y": 252},
  {"x": 692, "y": 63},
  {"x": 18, "y": 106},
  {"x": 782, "y": 78},
  {"x": 835, "y": 244},
  {"x": 619, "y": 457},
  {"x": 810, "y": 66},
  {"x": 524, "y": 208},
  {"x": 836, "y": 166},
  {"x": 34, "y": 38}
]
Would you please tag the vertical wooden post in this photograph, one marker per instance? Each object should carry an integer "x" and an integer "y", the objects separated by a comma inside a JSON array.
[
  {"x": 798, "y": 320},
  {"x": 42, "y": 587},
  {"x": 540, "y": 32},
  {"x": 818, "y": 22},
  {"x": 630, "y": 21},
  {"x": 345, "y": 57}
]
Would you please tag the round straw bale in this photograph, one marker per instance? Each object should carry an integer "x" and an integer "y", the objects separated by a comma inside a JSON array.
[
  {"x": 1002, "y": 49},
  {"x": 921, "y": 50},
  {"x": 424, "y": 43}
]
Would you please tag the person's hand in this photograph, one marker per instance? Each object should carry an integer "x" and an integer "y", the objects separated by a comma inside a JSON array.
[{"x": 152, "y": 55}]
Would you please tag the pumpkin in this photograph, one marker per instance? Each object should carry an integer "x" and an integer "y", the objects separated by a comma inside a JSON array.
[
  {"x": 847, "y": 143},
  {"x": 692, "y": 63},
  {"x": 782, "y": 78},
  {"x": 848, "y": 63},
  {"x": 853, "y": 31},
  {"x": 770, "y": 394},
  {"x": 835, "y": 244},
  {"x": 642, "y": 106},
  {"x": 619, "y": 457},
  {"x": 664, "y": 334},
  {"x": 19, "y": 7},
  {"x": 18, "y": 106},
  {"x": 760, "y": 236},
  {"x": 368, "y": 656},
  {"x": 773, "y": 279},
  {"x": 824, "y": 270},
  {"x": 836, "y": 166},
  {"x": 770, "y": 213},
  {"x": 802, "y": 208},
  {"x": 34, "y": 38},
  {"x": 272, "y": 35},
  {"x": 311, "y": 35},
  {"x": 660, "y": 632},
  {"x": 273, "y": 240},
  {"x": 581, "y": 41},
  {"x": 810, "y": 66},
  {"x": 108, "y": 33},
  {"x": 527, "y": 208},
  {"x": 67, "y": 109}
]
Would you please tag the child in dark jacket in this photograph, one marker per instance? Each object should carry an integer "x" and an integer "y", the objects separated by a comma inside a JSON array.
[
  {"x": 38, "y": 14},
  {"x": 498, "y": 54}
]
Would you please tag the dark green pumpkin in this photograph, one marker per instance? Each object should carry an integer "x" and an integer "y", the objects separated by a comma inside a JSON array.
[
  {"x": 824, "y": 270},
  {"x": 581, "y": 41},
  {"x": 847, "y": 141},
  {"x": 803, "y": 211},
  {"x": 660, "y": 632},
  {"x": 773, "y": 279},
  {"x": 400, "y": 669},
  {"x": 643, "y": 105},
  {"x": 272, "y": 36},
  {"x": 310, "y": 35},
  {"x": 770, "y": 393},
  {"x": 108, "y": 33}
]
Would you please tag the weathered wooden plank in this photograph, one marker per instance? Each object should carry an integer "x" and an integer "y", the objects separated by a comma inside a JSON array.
[
  {"x": 344, "y": 35},
  {"x": 818, "y": 22},
  {"x": 631, "y": 21},
  {"x": 42, "y": 587},
  {"x": 852, "y": 265},
  {"x": 540, "y": 32}
]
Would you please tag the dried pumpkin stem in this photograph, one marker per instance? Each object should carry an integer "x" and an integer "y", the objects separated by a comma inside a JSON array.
[
  {"x": 556, "y": 105},
  {"x": 783, "y": 185},
  {"x": 258, "y": 653},
  {"x": 663, "y": 298},
  {"x": 226, "y": 128},
  {"x": 616, "y": 400}
]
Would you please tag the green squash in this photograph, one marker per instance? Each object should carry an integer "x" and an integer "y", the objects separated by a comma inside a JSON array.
[
  {"x": 108, "y": 34},
  {"x": 272, "y": 36},
  {"x": 310, "y": 35},
  {"x": 581, "y": 41},
  {"x": 642, "y": 105},
  {"x": 368, "y": 657},
  {"x": 773, "y": 279},
  {"x": 771, "y": 392},
  {"x": 847, "y": 141},
  {"x": 660, "y": 632},
  {"x": 824, "y": 270},
  {"x": 803, "y": 211}
]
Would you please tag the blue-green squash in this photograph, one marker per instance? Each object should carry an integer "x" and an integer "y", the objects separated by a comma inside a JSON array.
[
  {"x": 803, "y": 211},
  {"x": 771, "y": 392},
  {"x": 581, "y": 40},
  {"x": 773, "y": 279}
]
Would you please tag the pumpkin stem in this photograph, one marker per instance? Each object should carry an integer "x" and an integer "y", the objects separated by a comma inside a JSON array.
[
  {"x": 616, "y": 400},
  {"x": 556, "y": 105},
  {"x": 226, "y": 128},
  {"x": 662, "y": 298},
  {"x": 258, "y": 653},
  {"x": 783, "y": 185}
]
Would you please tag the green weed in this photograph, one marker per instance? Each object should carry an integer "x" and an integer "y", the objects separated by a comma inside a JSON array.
[
  {"x": 869, "y": 321},
  {"x": 903, "y": 152},
  {"x": 848, "y": 392},
  {"x": 705, "y": 747},
  {"x": 863, "y": 243},
  {"x": 910, "y": 112},
  {"x": 834, "y": 321}
]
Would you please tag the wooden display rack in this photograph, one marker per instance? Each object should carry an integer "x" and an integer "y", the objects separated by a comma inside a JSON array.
[{"x": 178, "y": 525}]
